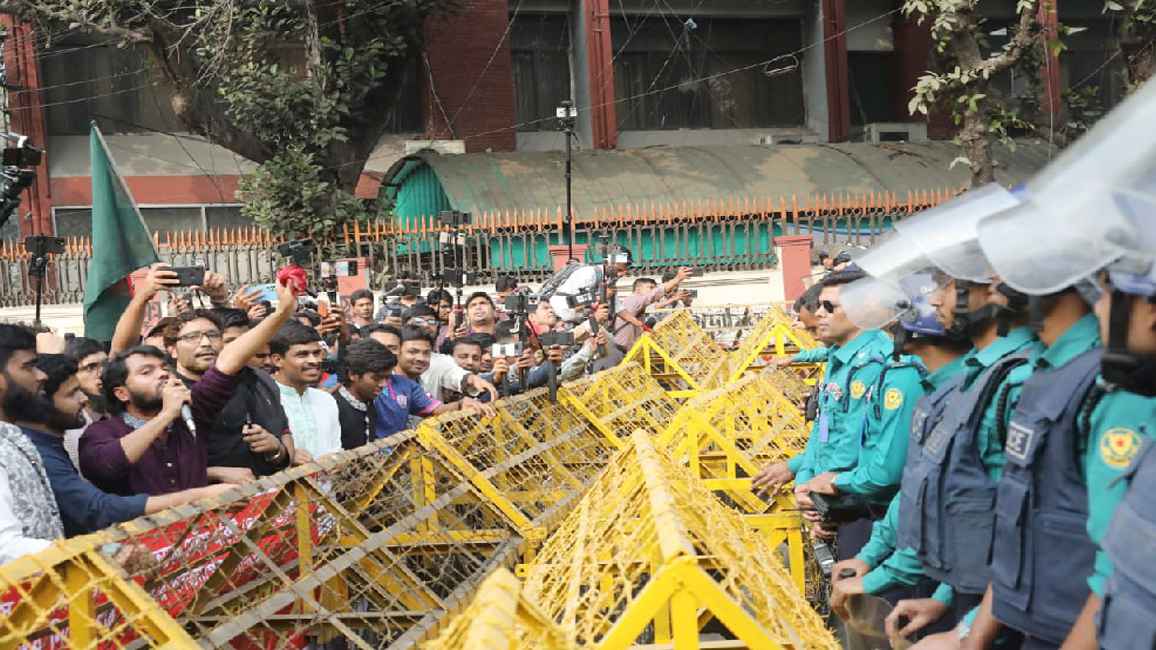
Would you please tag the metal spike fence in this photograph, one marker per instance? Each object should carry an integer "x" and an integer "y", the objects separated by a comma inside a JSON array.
[
  {"x": 375, "y": 545},
  {"x": 734, "y": 234}
]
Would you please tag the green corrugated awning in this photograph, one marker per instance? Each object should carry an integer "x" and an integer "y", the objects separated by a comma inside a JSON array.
[{"x": 427, "y": 183}]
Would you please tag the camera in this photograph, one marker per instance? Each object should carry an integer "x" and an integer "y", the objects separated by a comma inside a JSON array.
[
  {"x": 517, "y": 303},
  {"x": 41, "y": 245},
  {"x": 697, "y": 273},
  {"x": 458, "y": 277},
  {"x": 298, "y": 250},
  {"x": 691, "y": 293},
  {"x": 455, "y": 218},
  {"x": 557, "y": 339},
  {"x": 506, "y": 350},
  {"x": 584, "y": 299},
  {"x": 22, "y": 154}
]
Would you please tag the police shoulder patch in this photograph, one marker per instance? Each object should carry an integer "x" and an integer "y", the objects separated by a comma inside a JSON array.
[
  {"x": 857, "y": 389},
  {"x": 892, "y": 399},
  {"x": 1119, "y": 446}
]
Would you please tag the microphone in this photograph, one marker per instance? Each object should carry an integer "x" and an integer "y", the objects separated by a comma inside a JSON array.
[{"x": 187, "y": 416}]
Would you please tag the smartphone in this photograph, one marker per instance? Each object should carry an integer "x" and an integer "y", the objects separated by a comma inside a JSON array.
[
  {"x": 563, "y": 339},
  {"x": 189, "y": 276},
  {"x": 506, "y": 350}
]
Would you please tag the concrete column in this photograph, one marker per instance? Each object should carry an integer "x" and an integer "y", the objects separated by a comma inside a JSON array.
[
  {"x": 795, "y": 262},
  {"x": 835, "y": 53},
  {"x": 600, "y": 73},
  {"x": 815, "y": 73},
  {"x": 27, "y": 118}
]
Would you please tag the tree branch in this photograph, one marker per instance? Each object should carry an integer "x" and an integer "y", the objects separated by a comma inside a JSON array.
[
  {"x": 1020, "y": 43},
  {"x": 32, "y": 10}
]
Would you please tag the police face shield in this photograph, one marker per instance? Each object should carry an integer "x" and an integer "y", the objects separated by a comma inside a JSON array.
[
  {"x": 946, "y": 234},
  {"x": 1089, "y": 209},
  {"x": 871, "y": 303}
]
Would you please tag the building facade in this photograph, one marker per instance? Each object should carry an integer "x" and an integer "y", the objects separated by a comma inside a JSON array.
[{"x": 643, "y": 73}]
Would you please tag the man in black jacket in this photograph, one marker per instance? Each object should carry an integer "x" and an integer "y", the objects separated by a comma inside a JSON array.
[{"x": 366, "y": 366}]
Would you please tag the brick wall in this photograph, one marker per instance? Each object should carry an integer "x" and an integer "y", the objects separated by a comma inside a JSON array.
[{"x": 458, "y": 48}]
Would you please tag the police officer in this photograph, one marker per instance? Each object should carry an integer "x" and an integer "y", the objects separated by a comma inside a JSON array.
[
  {"x": 882, "y": 567},
  {"x": 855, "y": 358},
  {"x": 1052, "y": 503},
  {"x": 949, "y": 484},
  {"x": 880, "y": 437}
]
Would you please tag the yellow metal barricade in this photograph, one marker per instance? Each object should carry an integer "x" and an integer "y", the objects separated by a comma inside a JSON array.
[
  {"x": 620, "y": 400},
  {"x": 528, "y": 462},
  {"x": 774, "y": 335},
  {"x": 500, "y": 617},
  {"x": 726, "y": 436},
  {"x": 310, "y": 553},
  {"x": 679, "y": 354},
  {"x": 650, "y": 552}
]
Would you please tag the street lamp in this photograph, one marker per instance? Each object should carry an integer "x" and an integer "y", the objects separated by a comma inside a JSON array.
[{"x": 567, "y": 116}]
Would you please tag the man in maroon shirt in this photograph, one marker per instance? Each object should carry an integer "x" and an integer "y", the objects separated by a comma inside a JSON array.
[{"x": 146, "y": 447}]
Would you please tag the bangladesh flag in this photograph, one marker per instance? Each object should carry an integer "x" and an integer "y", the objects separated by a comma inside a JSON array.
[{"x": 120, "y": 243}]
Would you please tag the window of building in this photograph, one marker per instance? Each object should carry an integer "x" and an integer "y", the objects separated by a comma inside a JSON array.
[
  {"x": 871, "y": 80},
  {"x": 1090, "y": 63},
  {"x": 114, "y": 86},
  {"x": 540, "y": 49},
  {"x": 77, "y": 221},
  {"x": 119, "y": 88},
  {"x": 705, "y": 73}
]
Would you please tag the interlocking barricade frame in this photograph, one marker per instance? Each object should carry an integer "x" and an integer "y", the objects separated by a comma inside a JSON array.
[
  {"x": 726, "y": 436},
  {"x": 619, "y": 400},
  {"x": 310, "y": 553},
  {"x": 678, "y": 353},
  {"x": 774, "y": 336},
  {"x": 500, "y": 616},
  {"x": 530, "y": 461},
  {"x": 650, "y": 552}
]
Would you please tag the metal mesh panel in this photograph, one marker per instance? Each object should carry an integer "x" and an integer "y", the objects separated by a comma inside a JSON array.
[
  {"x": 499, "y": 616},
  {"x": 649, "y": 550},
  {"x": 621, "y": 400}
]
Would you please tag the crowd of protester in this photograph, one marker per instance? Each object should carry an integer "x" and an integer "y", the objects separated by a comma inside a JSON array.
[{"x": 228, "y": 387}]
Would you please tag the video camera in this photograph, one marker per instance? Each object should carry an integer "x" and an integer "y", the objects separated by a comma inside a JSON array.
[
  {"x": 584, "y": 299},
  {"x": 458, "y": 278},
  {"x": 517, "y": 303},
  {"x": 43, "y": 245},
  {"x": 300, "y": 251},
  {"x": 21, "y": 153}
]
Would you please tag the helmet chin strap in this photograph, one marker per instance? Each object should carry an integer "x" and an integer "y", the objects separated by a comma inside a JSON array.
[
  {"x": 1017, "y": 303},
  {"x": 968, "y": 322},
  {"x": 1126, "y": 370}
]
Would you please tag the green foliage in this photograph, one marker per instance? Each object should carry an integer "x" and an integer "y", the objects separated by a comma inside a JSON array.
[
  {"x": 304, "y": 89},
  {"x": 289, "y": 194}
]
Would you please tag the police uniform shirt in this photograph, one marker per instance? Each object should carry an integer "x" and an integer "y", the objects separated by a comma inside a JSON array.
[
  {"x": 835, "y": 436},
  {"x": 885, "y": 430},
  {"x": 1118, "y": 425},
  {"x": 988, "y": 439}
]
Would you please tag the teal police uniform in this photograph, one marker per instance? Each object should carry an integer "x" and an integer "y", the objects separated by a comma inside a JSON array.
[
  {"x": 834, "y": 442},
  {"x": 892, "y": 566},
  {"x": 884, "y": 432},
  {"x": 1118, "y": 424}
]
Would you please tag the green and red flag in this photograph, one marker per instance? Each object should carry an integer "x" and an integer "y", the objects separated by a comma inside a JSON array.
[{"x": 121, "y": 243}]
